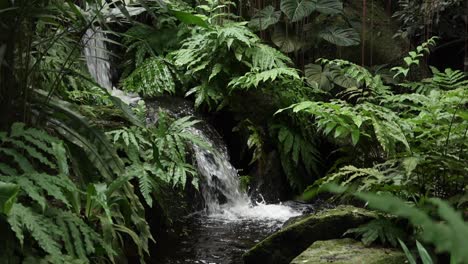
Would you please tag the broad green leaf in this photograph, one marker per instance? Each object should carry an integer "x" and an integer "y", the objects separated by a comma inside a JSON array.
[
  {"x": 340, "y": 131},
  {"x": 425, "y": 257},
  {"x": 286, "y": 42},
  {"x": 316, "y": 73},
  {"x": 355, "y": 136},
  {"x": 265, "y": 18},
  {"x": 190, "y": 19},
  {"x": 8, "y": 194},
  {"x": 408, "y": 254},
  {"x": 329, "y": 7},
  {"x": 296, "y": 10},
  {"x": 340, "y": 36}
]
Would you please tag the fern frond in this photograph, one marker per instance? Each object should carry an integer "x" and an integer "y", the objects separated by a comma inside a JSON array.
[
  {"x": 382, "y": 229},
  {"x": 41, "y": 228},
  {"x": 84, "y": 238},
  {"x": 151, "y": 78},
  {"x": 254, "y": 78},
  {"x": 265, "y": 57},
  {"x": 236, "y": 33},
  {"x": 31, "y": 151},
  {"x": 20, "y": 160}
]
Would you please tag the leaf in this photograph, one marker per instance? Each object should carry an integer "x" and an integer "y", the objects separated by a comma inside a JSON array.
[
  {"x": 286, "y": 42},
  {"x": 329, "y": 7},
  {"x": 265, "y": 18},
  {"x": 340, "y": 131},
  {"x": 408, "y": 254},
  {"x": 216, "y": 69},
  {"x": 296, "y": 10},
  {"x": 355, "y": 136},
  {"x": 425, "y": 257},
  {"x": 190, "y": 19},
  {"x": 340, "y": 36},
  {"x": 315, "y": 73},
  {"x": 8, "y": 194}
]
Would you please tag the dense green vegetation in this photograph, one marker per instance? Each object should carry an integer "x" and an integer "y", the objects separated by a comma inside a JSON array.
[{"x": 81, "y": 170}]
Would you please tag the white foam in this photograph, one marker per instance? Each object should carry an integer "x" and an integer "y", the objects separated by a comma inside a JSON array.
[
  {"x": 260, "y": 211},
  {"x": 220, "y": 177}
]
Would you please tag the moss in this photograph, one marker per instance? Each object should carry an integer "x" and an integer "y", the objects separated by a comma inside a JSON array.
[
  {"x": 348, "y": 251},
  {"x": 284, "y": 245}
]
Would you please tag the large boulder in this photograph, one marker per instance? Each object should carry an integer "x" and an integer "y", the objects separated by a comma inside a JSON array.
[
  {"x": 290, "y": 241},
  {"x": 348, "y": 251}
]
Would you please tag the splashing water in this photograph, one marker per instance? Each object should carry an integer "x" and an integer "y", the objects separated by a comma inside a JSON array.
[{"x": 221, "y": 189}]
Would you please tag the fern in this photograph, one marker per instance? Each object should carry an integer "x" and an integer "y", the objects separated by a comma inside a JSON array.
[
  {"x": 236, "y": 34},
  {"x": 266, "y": 58},
  {"x": 158, "y": 154},
  {"x": 86, "y": 241},
  {"x": 382, "y": 229},
  {"x": 204, "y": 93},
  {"x": 151, "y": 78},
  {"x": 255, "y": 140},
  {"x": 449, "y": 236},
  {"x": 358, "y": 82},
  {"x": 40, "y": 228},
  {"x": 253, "y": 79},
  {"x": 296, "y": 151},
  {"x": 449, "y": 79},
  {"x": 78, "y": 130},
  {"x": 51, "y": 229},
  {"x": 39, "y": 185},
  {"x": 61, "y": 234},
  {"x": 348, "y": 121},
  {"x": 414, "y": 57}
]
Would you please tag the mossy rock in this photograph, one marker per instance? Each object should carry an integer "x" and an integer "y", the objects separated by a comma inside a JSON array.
[
  {"x": 348, "y": 251},
  {"x": 290, "y": 241}
]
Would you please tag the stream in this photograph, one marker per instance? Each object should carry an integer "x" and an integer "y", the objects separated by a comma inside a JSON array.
[{"x": 214, "y": 239}]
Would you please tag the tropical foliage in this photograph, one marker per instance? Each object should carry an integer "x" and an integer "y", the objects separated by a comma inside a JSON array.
[{"x": 83, "y": 167}]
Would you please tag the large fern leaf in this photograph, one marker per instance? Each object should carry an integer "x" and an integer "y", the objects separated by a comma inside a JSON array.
[{"x": 151, "y": 78}]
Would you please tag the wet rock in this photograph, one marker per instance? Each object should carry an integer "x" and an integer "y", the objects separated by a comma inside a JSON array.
[
  {"x": 269, "y": 180},
  {"x": 348, "y": 251},
  {"x": 286, "y": 244}
]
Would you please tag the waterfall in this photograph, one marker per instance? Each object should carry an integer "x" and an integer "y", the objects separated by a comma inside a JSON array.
[
  {"x": 220, "y": 188},
  {"x": 97, "y": 57},
  {"x": 98, "y": 62}
]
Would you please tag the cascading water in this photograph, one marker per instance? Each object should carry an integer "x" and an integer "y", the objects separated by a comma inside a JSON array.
[
  {"x": 98, "y": 62},
  {"x": 97, "y": 57},
  {"x": 230, "y": 223},
  {"x": 221, "y": 189}
]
